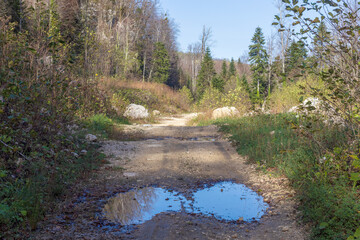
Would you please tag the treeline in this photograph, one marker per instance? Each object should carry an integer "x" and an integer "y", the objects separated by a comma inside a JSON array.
[{"x": 123, "y": 38}]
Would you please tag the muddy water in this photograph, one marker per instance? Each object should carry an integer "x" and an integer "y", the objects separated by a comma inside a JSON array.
[{"x": 224, "y": 201}]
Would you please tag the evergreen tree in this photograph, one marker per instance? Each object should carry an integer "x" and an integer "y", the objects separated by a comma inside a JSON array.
[
  {"x": 161, "y": 63},
  {"x": 232, "y": 69},
  {"x": 218, "y": 83},
  {"x": 321, "y": 39},
  {"x": 206, "y": 74},
  {"x": 17, "y": 10},
  {"x": 244, "y": 83},
  {"x": 224, "y": 70},
  {"x": 294, "y": 57},
  {"x": 258, "y": 62}
]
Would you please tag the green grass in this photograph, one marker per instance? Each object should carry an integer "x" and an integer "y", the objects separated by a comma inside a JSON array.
[
  {"x": 103, "y": 125},
  {"x": 23, "y": 201},
  {"x": 328, "y": 200}
]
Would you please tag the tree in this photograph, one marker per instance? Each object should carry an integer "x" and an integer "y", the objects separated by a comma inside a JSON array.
[
  {"x": 244, "y": 83},
  {"x": 258, "y": 63},
  {"x": 224, "y": 73},
  {"x": 218, "y": 83},
  {"x": 205, "y": 39},
  {"x": 161, "y": 63},
  {"x": 295, "y": 57},
  {"x": 232, "y": 69},
  {"x": 319, "y": 43},
  {"x": 206, "y": 74}
]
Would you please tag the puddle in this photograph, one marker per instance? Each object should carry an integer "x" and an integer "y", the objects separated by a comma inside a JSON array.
[
  {"x": 229, "y": 201},
  {"x": 224, "y": 201},
  {"x": 139, "y": 206}
]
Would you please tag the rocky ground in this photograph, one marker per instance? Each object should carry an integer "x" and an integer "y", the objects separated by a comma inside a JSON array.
[{"x": 173, "y": 156}]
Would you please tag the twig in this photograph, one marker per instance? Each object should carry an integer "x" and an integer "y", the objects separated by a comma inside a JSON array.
[{"x": 6, "y": 145}]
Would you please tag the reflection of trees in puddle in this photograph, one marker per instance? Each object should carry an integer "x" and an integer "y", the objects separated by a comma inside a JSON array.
[{"x": 128, "y": 208}]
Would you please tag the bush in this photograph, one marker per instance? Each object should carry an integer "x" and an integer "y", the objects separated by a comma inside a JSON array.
[
  {"x": 288, "y": 96},
  {"x": 213, "y": 99}
]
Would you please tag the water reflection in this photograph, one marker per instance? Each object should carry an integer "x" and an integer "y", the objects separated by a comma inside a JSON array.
[
  {"x": 229, "y": 201},
  {"x": 138, "y": 206},
  {"x": 225, "y": 200}
]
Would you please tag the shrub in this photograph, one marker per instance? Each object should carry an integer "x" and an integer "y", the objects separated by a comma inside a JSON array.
[{"x": 213, "y": 99}]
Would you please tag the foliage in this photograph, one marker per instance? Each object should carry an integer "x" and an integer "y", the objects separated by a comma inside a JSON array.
[
  {"x": 283, "y": 99},
  {"x": 324, "y": 187},
  {"x": 213, "y": 99},
  {"x": 187, "y": 95}
]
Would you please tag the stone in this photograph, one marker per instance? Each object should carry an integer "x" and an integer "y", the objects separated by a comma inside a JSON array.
[
  {"x": 134, "y": 111},
  {"x": 90, "y": 138},
  {"x": 225, "y": 112},
  {"x": 83, "y": 152},
  {"x": 316, "y": 106},
  {"x": 75, "y": 154},
  {"x": 156, "y": 113}
]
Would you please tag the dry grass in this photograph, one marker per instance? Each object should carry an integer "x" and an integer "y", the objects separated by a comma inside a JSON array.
[{"x": 169, "y": 100}]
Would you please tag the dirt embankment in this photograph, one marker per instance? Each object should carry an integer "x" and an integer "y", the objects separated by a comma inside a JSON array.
[{"x": 174, "y": 156}]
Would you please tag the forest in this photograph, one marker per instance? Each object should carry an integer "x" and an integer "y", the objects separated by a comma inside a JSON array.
[{"x": 71, "y": 63}]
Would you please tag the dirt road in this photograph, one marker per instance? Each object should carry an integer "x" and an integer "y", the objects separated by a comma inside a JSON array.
[{"x": 172, "y": 156}]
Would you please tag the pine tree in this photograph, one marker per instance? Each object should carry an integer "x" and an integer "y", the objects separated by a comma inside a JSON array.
[
  {"x": 244, "y": 83},
  {"x": 206, "y": 74},
  {"x": 321, "y": 39},
  {"x": 218, "y": 83},
  {"x": 258, "y": 62},
  {"x": 232, "y": 69},
  {"x": 161, "y": 63},
  {"x": 294, "y": 57},
  {"x": 224, "y": 70}
]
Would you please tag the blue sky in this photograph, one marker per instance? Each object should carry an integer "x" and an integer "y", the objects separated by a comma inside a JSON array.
[{"x": 233, "y": 22}]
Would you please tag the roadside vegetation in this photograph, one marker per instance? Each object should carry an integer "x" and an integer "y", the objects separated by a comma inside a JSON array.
[
  {"x": 317, "y": 168},
  {"x": 62, "y": 77}
]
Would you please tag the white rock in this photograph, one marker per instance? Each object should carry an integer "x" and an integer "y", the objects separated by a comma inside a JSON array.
[
  {"x": 156, "y": 112},
  {"x": 134, "y": 111},
  {"x": 316, "y": 106},
  {"x": 90, "y": 137},
  {"x": 75, "y": 154},
  {"x": 83, "y": 152},
  {"x": 225, "y": 112}
]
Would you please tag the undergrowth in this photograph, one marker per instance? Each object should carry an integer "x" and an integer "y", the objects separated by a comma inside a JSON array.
[{"x": 330, "y": 199}]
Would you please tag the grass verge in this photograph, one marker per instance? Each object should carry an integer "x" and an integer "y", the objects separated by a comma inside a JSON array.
[{"x": 330, "y": 201}]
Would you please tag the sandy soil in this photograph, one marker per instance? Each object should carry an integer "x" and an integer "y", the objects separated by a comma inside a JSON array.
[{"x": 178, "y": 157}]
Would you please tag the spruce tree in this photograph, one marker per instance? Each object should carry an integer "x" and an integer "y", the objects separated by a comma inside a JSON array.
[
  {"x": 321, "y": 40},
  {"x": 206, "y": 74},
  {"x": 244, "y": 83},
  {"x": 218, "y": 83},
  {"x": 294, "y": 57},
  {"x": 258, "y": 62},
  {"x": 224, "y": 70},
  {"x": 232, "y": 69},
  {"x": 161, "y": 63}
]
